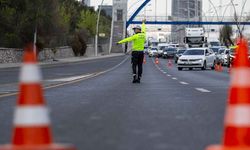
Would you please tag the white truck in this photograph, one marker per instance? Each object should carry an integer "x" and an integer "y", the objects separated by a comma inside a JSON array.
[{"x": 195, "y": 37}]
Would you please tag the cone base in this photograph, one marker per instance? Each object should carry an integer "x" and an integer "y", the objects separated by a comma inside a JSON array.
[
  {"x": 221, "y": 147},
  {"x": 38, "y": 147}
]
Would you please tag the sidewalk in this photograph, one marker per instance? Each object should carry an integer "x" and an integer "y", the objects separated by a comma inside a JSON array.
[{"x": 64, "y": 60}]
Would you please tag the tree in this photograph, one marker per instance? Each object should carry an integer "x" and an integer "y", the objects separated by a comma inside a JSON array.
[{"x": 225, "y": 35}]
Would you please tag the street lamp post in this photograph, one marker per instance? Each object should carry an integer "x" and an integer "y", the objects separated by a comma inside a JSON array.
[{"x": 97, "y": 29}]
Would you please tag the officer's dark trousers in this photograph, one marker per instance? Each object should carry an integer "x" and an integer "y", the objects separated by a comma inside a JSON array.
[{"x": 137, "y": 61}]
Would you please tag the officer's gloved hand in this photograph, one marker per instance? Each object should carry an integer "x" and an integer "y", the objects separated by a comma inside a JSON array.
[{"x": 117, "y": 43}]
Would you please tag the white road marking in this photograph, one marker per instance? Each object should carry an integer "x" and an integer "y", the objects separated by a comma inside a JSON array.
[
  {"x": 174, "y": 78},
  {"x": 68, "y": 79},
  {"x": 203, "y": 90},
  {"x": 164, "y": 72},
  {"x": 184, "y": 83},
  {"x": 169, "y": 75},
  {"x": 4, "y": 92}
]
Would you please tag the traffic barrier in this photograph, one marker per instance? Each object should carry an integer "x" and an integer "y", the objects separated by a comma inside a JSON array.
[
  {"x": 237, "y": 119},
  {"x": 157, "y": 60},
  {"x": 31, "y": 118}
]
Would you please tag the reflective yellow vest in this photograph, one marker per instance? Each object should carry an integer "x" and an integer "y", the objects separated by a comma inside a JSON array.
[{"x": 137, "y": 39}]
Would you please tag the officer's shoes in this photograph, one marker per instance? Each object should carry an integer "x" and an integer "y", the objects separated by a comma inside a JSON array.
[
  {"x": 134, "y": 79},
  {"x": 138, "y": 80}
]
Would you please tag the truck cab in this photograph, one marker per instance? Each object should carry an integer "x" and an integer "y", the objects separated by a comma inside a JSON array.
[{"x": 195, "y": 37}]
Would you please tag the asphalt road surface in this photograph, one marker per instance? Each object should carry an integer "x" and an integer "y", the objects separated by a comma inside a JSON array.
[{"x": 169, "y": 110}]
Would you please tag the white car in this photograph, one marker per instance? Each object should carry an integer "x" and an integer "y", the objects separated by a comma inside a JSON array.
[
  {"x": 152, "y": 52},
  {"x": 197, "y": 58},
  {"x": 223, "y": 55}
]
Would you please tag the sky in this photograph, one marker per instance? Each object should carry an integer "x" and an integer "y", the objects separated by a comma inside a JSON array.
[{"x": 162, "y": 4}]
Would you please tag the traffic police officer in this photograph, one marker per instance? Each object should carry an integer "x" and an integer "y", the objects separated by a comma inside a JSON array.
[{"x": 138, "y": 41}]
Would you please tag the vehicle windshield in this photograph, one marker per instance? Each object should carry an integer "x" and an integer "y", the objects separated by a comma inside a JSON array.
[
  {"x": 195, "y": 40},
  {"x": 162, "y": 47},
  {"x": 181, "y": 51},
  {"x": 215, "y": 43},
  {"x": 221, "y": 51},
  {"x": 215, "y": 49},
  {"x": 170, "y": 50},
  {"x": 232, "y": 51},
  {"x": 194, "y": 52}
]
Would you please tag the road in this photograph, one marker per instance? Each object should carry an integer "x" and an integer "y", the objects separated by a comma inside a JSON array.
[{"x": 169, "y": 110}]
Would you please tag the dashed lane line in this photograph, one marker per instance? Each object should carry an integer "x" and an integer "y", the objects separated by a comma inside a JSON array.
[
  {"x": 174, "y": 78},
  {"x": 203, "y": 90},
  {"x": 184, "y": 83}
]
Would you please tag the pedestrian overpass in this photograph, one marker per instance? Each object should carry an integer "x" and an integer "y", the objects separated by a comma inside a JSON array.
[{"x": 132, "y": 20}]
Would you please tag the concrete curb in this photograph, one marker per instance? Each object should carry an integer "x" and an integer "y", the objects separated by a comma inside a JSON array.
[{"x": 62, "y": 61}]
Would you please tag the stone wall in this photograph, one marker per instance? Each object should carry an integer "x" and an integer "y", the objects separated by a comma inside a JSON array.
[
  {"x": 57, "y": 53},
  {"x": 10, "y": 55}
]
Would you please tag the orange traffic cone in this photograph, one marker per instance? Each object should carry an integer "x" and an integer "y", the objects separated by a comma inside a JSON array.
[
  {"x": 216, "y": 67},
  {"x": 170, "y": 64},
  {"x": 157, "y": 60},
  {"x": 237, "y": 119},
  {"x": 31, "y": 119},
  {"x": 220, "y": 68},
  {"x": 144, "y": 60}
]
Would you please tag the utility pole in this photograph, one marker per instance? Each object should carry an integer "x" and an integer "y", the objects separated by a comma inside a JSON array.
[
  {"x": 111, "y": 33},
  {"x": 97, "y": 29},
  {"x": 188, "y": 12},
  {"x": 166, "y": 10},
  {"x": 155, "y": 10},
  {"x": 35, "y": 41}
]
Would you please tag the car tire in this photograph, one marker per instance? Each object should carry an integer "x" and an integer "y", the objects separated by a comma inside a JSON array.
[
  {"x": 190, "y": 68},
  {"x": 213, "y": 67},
  {"x": 179, "y": 68},
  {"x": 204, "y": 66}
]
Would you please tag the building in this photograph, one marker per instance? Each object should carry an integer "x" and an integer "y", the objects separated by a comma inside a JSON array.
[
  {"x": 86, "y": 2},
  {"x": 184, "y": 10},
  {"x": 108, "y": 9}
]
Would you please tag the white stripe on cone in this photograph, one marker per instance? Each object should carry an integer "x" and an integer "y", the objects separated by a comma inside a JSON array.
[
  {"x": 238, "y": 115},
  {"x": 31, "y": 116},
  {"x": 30, "y": 73},
  {"x": 240, "y": 77}
]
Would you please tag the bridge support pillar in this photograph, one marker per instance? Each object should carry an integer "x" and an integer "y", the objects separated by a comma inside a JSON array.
[{"x": 119, "y": 25}]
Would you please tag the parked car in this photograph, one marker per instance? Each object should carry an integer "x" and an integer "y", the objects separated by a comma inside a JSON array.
[
  {"x": 178, "y": 54},
  {"x": 197, "y": 58},
  {"x": 169, "y": 52},
  {"x": 152, "y": 52}
]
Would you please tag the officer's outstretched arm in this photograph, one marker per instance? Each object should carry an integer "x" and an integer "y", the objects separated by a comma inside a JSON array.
[
  {"x": 129, "y": 39},
  {"x": 143, "y": 26}
]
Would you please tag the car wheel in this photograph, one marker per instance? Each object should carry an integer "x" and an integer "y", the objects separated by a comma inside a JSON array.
[
  {"x": 213, "y": 67},
  {"x": 190, "y": 68},
  {"x": 204, "y": 66},
  {"x": 179, "y": 68}
]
